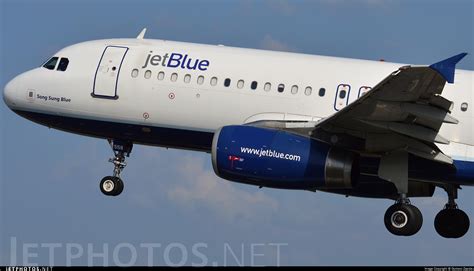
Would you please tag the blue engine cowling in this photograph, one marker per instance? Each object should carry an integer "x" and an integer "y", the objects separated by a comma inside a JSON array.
[{"x": 279, "y": 159}]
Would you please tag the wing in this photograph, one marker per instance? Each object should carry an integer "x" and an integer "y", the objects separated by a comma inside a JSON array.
[{"x": 403, "y": 112}]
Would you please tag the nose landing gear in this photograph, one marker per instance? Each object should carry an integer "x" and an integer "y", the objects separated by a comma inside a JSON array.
[{"x": 113, "y": 185}]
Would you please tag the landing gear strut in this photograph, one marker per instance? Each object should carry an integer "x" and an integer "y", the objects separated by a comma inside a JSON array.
[
  {"x": 451, "y": 222},
  {"x": 402, "y": 218},
  {"x": 113, "y": 185}
]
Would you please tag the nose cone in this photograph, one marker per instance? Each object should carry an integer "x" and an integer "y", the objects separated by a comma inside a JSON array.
[{"x": 9, "y": 93}]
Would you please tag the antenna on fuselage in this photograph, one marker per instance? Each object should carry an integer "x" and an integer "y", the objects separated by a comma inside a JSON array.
[{"x": 142, "y": 34}]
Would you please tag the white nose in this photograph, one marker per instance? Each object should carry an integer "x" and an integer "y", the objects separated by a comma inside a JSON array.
[{"x": 10, "y": 92}]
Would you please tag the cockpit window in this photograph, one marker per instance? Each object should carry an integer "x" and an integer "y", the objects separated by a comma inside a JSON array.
[
  {"x": 63, "y": 64},
  {"x": 51, "y": 64}
]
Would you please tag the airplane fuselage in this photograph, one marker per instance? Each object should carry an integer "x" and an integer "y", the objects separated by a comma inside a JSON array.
[{"x": 174, "y": 94}]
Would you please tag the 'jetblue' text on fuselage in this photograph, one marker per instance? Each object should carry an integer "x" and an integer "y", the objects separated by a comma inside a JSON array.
[{"x": 176, "y": 60}]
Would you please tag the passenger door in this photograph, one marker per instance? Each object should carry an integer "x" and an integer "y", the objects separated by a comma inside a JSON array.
[{"x": 108, "y": 71}]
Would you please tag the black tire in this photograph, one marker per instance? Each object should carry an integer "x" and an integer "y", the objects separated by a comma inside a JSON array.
[
  {"x": 452, "y": 223},
  {"x": 403, "y": 219},
  {"x": 419, "y": 217},
  {"x": 119, "y": 187},
  {"x": 111, "y": 186}
]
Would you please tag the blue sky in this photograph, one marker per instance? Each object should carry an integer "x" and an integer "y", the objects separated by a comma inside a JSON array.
[{"x": 49, "y": 179}]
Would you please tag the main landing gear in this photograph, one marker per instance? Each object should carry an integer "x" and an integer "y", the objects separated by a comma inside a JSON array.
[
  {"x": 451, "y": 222},
  {"x": 402, "y": 218},
  {"x": 113, "y": 185}
]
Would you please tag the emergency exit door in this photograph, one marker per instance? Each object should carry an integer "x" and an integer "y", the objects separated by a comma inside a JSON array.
[
  {"x": 108, "y": 71},
  {"x": 342, "y": 96}
]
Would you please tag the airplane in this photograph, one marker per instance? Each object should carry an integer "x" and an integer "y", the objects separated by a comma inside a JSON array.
[{"x": 271, "y": 119}]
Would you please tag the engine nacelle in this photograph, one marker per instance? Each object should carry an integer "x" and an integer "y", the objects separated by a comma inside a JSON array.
[{"x": 279, "y": 159}]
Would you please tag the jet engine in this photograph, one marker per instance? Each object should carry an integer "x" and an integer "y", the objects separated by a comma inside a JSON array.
[{"x": 280, "y": 159}]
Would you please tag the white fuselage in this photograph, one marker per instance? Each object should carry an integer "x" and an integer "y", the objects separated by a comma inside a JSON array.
[{"x": 145, "y": 98}]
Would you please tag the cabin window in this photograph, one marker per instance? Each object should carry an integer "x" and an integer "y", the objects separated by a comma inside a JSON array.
[
  {"x": 227, "y": 82},
  {"x": 267, "y": 87},
  {"x": 281, "y": 88},
  {"x": 240, "y": 83},
  {"x": 308, "y": 91},
  {"x": 254, "y": 85},
  {"x": 161, "y": 75},
  {"x": 464, "y": 107},
  {"x": 63, "y": 64},
  {"x": 51, "y": 64},
  {"x": 134, "y": 73},
  {"x": 147, "y": 74},
  {"x": 187, "y": 78},
  {"x": 322, "y": 92},
  {"x": 174, "y": 77},
  {"x": 213, "y": 81},
  {"x": 342, "y": 94},
  {"x": 200, "y": 80},
  {"x": 294, "y": 89}
]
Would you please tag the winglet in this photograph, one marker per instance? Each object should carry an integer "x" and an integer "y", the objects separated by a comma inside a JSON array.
[
  {"x": 446, "y": 67},
  {"x": 142, "y": 34}
]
